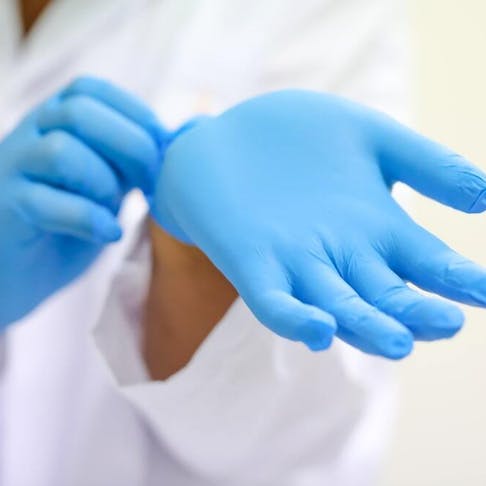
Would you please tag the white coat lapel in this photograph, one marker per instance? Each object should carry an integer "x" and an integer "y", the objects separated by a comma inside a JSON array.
[{"x": 60, "y": 36}]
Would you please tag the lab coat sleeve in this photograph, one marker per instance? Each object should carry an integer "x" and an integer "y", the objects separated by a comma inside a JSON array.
[
  {"x": 231, "y": 415},
  {"x": 3, "y": 351}
]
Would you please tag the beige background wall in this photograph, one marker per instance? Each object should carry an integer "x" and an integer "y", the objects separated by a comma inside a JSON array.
[{"x": 440, "y": 438}]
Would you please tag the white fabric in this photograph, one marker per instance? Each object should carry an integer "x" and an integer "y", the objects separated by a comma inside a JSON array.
[{"x": 250, "y": 408}]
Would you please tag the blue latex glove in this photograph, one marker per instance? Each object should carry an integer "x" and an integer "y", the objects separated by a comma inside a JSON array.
[
  {"x": 289, "y": 195},
  {"x": 63, "y": 174}
]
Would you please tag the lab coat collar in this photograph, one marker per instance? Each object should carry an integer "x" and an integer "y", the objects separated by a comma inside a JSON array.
[
  {"x": 70, "y": 21},
  {"x": 10, "y": 32},
  {"x": 62, "y": 30}
]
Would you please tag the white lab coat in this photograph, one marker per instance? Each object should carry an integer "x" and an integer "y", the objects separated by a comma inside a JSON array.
[{"x": 77, "y": 407}]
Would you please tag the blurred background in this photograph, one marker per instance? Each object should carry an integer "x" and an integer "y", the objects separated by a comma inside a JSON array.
[{"x": 440, "y": 438}]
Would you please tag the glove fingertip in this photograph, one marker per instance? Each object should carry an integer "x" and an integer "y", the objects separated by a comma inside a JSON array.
[
  {"x": 479, "y": 205},
  {"x": 452, "y": 321},
  {"x": 318, "y": 333},
  {"x": 106, "y": 228},
  {"x": 398, "y": 346}
]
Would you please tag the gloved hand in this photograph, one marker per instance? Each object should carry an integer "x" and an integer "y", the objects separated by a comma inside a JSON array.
[
  {"x": 289, "y": 195},
  {"x": 63, "y": 174}
]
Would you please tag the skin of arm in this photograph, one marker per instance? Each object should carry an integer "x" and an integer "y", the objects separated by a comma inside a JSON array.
[{"x": 187, "y": 297}]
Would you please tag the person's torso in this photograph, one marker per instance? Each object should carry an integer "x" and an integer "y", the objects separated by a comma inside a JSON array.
[{"x": 66, "y": 421}]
